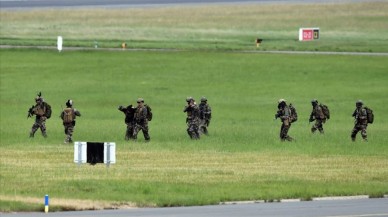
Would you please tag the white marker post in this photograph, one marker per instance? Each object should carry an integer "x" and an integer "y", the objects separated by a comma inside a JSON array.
[
  {"x": 59, "y": 43},
  {"x": 46, "y": 203}
]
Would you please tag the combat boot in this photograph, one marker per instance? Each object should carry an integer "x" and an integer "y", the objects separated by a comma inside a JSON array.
[
  {"x": 289, "y": 138},
  {"x": 31, "y": 135}
]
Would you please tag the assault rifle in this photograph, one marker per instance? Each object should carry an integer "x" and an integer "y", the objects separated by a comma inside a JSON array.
[
  {"x": 278, "y": 114},
  {"x": 30, "y": 112}
]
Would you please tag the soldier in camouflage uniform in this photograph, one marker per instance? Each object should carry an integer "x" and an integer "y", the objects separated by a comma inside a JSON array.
[
  {"x": 42, "y": 111},
  {"x": 141, "y": 121},
  {"x": 318, "y": 116},
  {"x": 205, "y": 115},
  {"x": 284, "y": 113},
  {"x": 68, "y": 116},
  {"x": 361, "y": 121},
  {"x": 129, "y": 112},
  {"x": 192, "y": 119}
]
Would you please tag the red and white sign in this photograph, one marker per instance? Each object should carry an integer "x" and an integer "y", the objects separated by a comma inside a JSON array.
[{"x": 308, "y": 34}]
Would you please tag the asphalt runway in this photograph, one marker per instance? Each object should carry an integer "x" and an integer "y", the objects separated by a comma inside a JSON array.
[
  {"x": 324, "y": 208},
  {"x": 28, "y": 4}
]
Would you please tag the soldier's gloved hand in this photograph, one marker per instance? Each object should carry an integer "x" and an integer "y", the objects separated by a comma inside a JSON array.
[
  {"x": 120, "y": 107},
  {"x": 311, "y": 120}
]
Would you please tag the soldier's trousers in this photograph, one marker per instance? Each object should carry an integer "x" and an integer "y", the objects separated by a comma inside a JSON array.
[
  {"x": 356, "y": 129},
  {"x": 317, "y": 126},
  {"x": 192, "y": 129},
  {"x": 203, "y": 126},
  {"x": 39, "y": 124},
  {"x": 284, "y": 131},
  {"x": 69, "y": 129},
  {"x": 142, "y": 127},
  {"x": 129, "y": 132}
]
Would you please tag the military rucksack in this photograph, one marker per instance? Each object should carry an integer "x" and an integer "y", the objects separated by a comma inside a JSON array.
[
  {"x": 369, "y": 115},
  {"x": 149, "y": 112},
  {"x": 44, "y": 110},
  {"x": 68, "y": 115},
  {"x": 293, "y": 113},
  {"x": 48, "y": 110},
  {"x": 325, "y": 111}
]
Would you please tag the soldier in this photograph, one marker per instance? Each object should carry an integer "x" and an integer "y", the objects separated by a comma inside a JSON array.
[
  {"x": 129, "y": 112},
  {"x": 284, "y": 113},
  {"x": 68, "y": 116},
  {"x": 317, "y": 115},
  {"x": 42, "y": 111},
  {"x": 141, "y": 120},
  {"x": 205, "y": 114},
  {"x": 361, "y": 121},
  {"x": 192, "y": 119}
]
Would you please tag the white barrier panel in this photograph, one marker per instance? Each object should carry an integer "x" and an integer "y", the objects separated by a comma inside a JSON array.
[
  {"x": 80, "y": 152},
  {"x": 109, "y": 153},
  {"x": 95, "y": 152},
  {"x": 308, "y": 34}
]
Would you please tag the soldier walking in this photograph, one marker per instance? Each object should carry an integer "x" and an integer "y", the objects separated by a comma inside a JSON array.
[
  {"x": 42, "y": 111},
  {"x": 205, "y": 115},
  {"x": 317, "y": 115},
  {"x": 192, "y": 119},
  {"x": 284, "y": 113},
  {"x": 141, "y": 121},
  {"x": 360, "y": 121},
  {"x": 129, "y": 112},
  {"x": 68, "y": 117}
]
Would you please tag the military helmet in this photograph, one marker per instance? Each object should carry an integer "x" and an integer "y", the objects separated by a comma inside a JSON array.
[
  {"x": 314, "y": 101},
  {"x": 139, "y": 100},
  {"x": 69, "y": 103},
  {"x": 203, "y": 99},
  {"x": 188, "y": 99},
  {"x": 359, "y": 102},
  {"x": 38, "y": 98},
  {"x": 281, "y": 100}
]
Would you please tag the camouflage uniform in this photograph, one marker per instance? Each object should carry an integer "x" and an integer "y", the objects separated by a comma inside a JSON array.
[
  {"x": 318, "y": 116},
  {"x": 42, "y": 111},
  {"x": 361, "y": 121},
  {"x": 129, "y": 112},
  {"x": 284, "y": 114},
  {"x": 192, "y": 119},
  {"x": 69, "y": 127},
  {"x": 141, "y": 121},
  {"x": 205, "y": 115}
]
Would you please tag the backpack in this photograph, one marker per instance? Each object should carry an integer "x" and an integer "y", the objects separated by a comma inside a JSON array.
[
  {"x": 369, "y": 115},
  {"x": 149, "y": 112},
  {"x": 45, "y": 110},
  {"x": 293, "y": 114},
  {"x": 48, "y": 111},
  {"x": 68, "y": 115},
  {"x": 325, "y": 111}
]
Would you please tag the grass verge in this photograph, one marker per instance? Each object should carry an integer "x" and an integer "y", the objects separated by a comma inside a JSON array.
[{"x": 358, "y": 27}]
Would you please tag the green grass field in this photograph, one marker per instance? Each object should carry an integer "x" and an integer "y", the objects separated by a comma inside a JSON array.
[
  {"x": 242, "y": 159},
  {"x": 360, "y": 27}
]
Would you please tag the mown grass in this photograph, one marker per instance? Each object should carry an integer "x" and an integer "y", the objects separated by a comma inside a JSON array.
[
  {"x": 359, "y": 27},
  {"x": 242, "y": 159}
]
